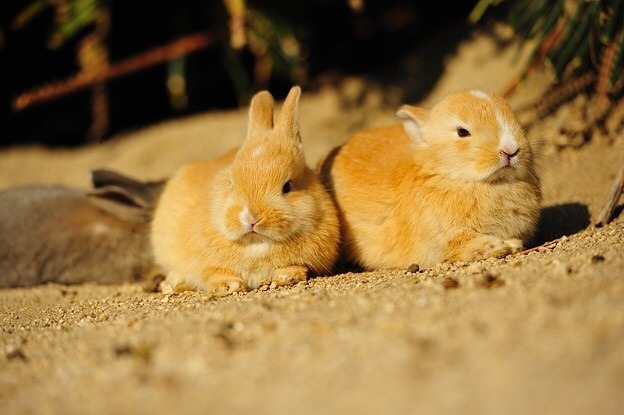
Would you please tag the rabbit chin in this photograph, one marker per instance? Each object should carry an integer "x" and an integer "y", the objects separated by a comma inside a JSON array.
[
  {"x": 506, "y": 173},
  {"x": 253, "y": 238},
  {"x": 495, "y": 173},
  {"x": 260, "y": 236}
]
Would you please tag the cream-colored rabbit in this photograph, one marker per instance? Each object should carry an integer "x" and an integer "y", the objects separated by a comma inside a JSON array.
[
  {"x": 255, "y": 216},
  {"x": 456, "y": 182}
]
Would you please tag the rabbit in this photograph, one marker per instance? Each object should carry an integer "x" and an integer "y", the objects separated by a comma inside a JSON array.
[
  {"x": 255, "y": 216},
  {"x": 454, "y": 183},
  {"x": 53, "y": 233}
]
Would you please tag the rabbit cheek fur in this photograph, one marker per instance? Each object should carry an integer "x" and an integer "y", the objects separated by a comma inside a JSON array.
[
  {"x": 255, "y": 216},
  {"x": 437, "y": 196}
]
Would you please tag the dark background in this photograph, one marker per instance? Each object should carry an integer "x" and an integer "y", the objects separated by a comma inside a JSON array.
[{"x": 376, "y": 42}]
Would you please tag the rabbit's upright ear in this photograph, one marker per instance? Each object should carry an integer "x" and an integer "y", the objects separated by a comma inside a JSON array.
[
  {"x": 261, "y": 112},
  {"x": 288, "y": 120},
  {"x": 413, "y": 119}
]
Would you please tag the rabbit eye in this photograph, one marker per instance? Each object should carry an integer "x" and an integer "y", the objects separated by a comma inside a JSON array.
[
  {"x": 286, "y": 188},
  {"x": 462, "y": 132}
]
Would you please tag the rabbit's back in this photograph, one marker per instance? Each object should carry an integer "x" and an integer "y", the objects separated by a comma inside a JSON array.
[{"x": 55, "y": 234}]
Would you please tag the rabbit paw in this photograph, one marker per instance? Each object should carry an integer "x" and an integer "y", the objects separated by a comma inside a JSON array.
[
  {"x": 264, "y": 281},
  {"x": 225, "y": 285},
  {"x": 174, "y": 283},
  {"x": 470, "y": 247},
  {"x": 289, "y": 275},
  {"x": 219, "y": 285},
  {"x": 498, "y": 248}
]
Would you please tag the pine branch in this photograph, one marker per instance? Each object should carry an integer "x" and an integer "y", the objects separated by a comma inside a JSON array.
[
  {"x": 180, "y": 47},
  {"x": 607, "y": 66}
]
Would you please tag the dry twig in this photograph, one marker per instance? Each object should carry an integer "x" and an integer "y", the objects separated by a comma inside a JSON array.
[
  {"x": 152, "y": 57},
  {"x": 549, "y": 244},
  {"x": 614, "y": 195}
]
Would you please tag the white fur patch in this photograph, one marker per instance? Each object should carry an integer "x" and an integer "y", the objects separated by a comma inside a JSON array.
[
  {"x": 258, "y": 249},
  {"x": 507, "y": 142},
  {"x": 100, "y": 229},
  {"x": 479, "y": 94},
  {"x": 257, "y": 150},
  {"x": 458, "y": 123}
]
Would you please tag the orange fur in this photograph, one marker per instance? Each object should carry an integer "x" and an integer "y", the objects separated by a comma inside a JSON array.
[
  {"x": 420, "y": 193},
  {"x": 199, "y": 233}
]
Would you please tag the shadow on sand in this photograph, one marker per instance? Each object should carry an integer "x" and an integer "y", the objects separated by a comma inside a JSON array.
[{"x": 559, "y": 220}]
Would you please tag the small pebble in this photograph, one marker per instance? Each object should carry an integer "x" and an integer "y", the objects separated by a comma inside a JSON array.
[
  {"x": 596, "y": 259},
  {"x": 450, "y": 283},
  {"x": 491, "y": 281},
  {"x": 166, "y": 288},
  {"x": 414, "y": 268},
  {"x": 14, "y": 352},
  {"x": 122, "y": 349}
]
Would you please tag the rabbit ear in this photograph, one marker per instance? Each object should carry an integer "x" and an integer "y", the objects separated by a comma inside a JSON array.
[
  {"x": 413, "y": 120},
  {"x": 120, "y": 203},
  {"x": 123, "y": 197},
  {"x": 147, "y": 192},
  {"x": 261, "y": 112},
  {"x": 289, "y": 115}
]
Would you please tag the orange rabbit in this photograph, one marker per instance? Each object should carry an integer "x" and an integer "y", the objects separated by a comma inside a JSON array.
[
  {"x": 456, "y": 182},
  {"x": 255, "y": 216}
]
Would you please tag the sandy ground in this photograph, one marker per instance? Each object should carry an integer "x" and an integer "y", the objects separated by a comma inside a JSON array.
[{"x": 540, "y": 332}]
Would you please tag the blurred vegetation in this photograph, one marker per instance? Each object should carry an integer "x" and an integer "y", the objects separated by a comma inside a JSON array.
[
  {"x": 582, "y": 43},
  {"x": 573, "y": 36},
  {"x": 271, "y": 40},
  {"x": 81, "y": 70},
  {"x": 76, "y": 71}
]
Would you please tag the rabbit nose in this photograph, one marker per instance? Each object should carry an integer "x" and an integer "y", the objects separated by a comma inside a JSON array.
[
  {"x": 248, "y": 218},
  {"x": 510, "y": 152}
]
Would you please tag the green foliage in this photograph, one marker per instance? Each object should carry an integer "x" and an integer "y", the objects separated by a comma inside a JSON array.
[
  {"x": 570, "y": 34},
  {"x": 71, "y": 16},
  {"x": 241, "y": 31},
  {"x": 276, "y": 49}
]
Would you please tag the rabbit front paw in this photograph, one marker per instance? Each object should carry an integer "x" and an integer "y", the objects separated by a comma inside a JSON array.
[
  {"x": 218, "y": 284},
  {"x": 470, "y": 247},
  {"x": 224, "y": 285},
  {"x": 289, "y": 275},
  {"x": 497, "y": 248},
  {"x": 174, "y": 283}
]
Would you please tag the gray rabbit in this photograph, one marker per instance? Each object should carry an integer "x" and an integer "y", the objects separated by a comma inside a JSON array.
[{"x": 70, "y": 235}]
